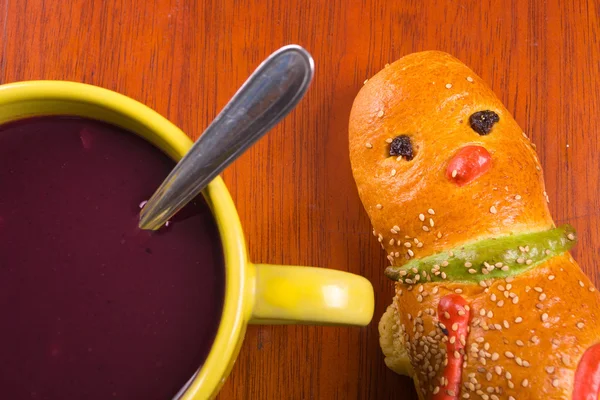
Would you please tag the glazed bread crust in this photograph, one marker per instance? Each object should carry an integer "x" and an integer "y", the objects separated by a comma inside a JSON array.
[
  {"x": 526, "y": 337},
  {"x": 411, "y": 97},
  {"x": 526, "y": 333}
]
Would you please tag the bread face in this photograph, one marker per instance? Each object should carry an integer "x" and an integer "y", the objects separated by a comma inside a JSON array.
[
  {"x": 441, "y": 167},
  {"x": 430, "y": 97}
]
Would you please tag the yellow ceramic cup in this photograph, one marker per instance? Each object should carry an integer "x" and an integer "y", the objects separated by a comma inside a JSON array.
[{"x": 254, "y": 293}]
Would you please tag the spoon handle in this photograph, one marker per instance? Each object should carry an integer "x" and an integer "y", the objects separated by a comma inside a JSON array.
[{"x": 268, "y": 95}]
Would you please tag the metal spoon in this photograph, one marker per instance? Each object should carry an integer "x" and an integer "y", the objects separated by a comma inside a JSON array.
[{"x": 268, "y": 95}]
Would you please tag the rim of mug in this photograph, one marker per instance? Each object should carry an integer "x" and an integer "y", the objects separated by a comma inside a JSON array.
[{"x": 211, "y": 374}]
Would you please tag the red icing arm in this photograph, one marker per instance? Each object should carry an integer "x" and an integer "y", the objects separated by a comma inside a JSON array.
[
  {"x": 468, "y": 164},
  {"x": 455, "y": 317},
  {"x": 587, "y": 376}
]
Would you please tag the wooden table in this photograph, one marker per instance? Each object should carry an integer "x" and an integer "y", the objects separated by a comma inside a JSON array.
[{"x": 294, "y": 190}]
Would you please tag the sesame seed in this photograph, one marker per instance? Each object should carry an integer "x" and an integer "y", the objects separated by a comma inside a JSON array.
[
  {"x": 365, "y": 81},
  {"x": 511, "y": 384},
  {"x": 431, "y": 222},
  {"x": 581, "y": 284},
  {"x": 482, "y": 312},
  {"x": 458, "y": 291},
  {"x": 444, "y": 275},
  {"x": 391, "y": 242},
  {"x": 393, "y": 172},
  {"x": 389, "y": 140},
  {"x": 508, "y": 354},
  {"x": 500, "y": 303},
  {"x": 436, "y": 390},
  {"x": 454, "y": 173},
  {"x": 431, "y": 212},
  {"x": 493, "y": 210},
  {"x": 495, "y": 356},
  {"x": 580, "y": 325},
  {"x": 520, "y": 260},
  {"x": 505, "y": 268},
  {"x": 439, "y": 235},
  {"x": 444, "y": 263},
  {"x": 469, "y": 79},
  {"x": 435, "y": 290},
  {"x": 420, "y": 244},
  {"x": 490, "y": 314},
  {"x": 592, "y": 289},
  {"x": 508, "y": 375},
  {"x": 518, "y": 320},
  {"x": 528, "y": 262},
  {"x": 555, "y": 383},
  {"x": 407, "y": 244},
  {"x": 369, "y": 145},
  {"x": 525, "y": 382},
  {"x": 519, "y": 361},
  {"x": 544, "y": 317},
  {"x": 551, "y": 277},
  {"x": 411, "y": 253},
  {"x": 472, "y": 271},
  {"x": 519, "y": 343},
  {"x": 506, "y": 324},
  {"x": 448, "y": 85},
  {"x": 422, "y": 217},
  {"x": 570, "y": 236},
  {"x": 455, "y": 326},
  {"x": 425, "y": 228},
  {"x": 380, "y": 113},
  {"x": 379, "y": 206},
  {"x": 542, "y": 297},
  {"x": 518, "y": 197}
]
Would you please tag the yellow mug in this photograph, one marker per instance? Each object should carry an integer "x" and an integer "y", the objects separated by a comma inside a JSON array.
[{"x": 254, "y": 293}]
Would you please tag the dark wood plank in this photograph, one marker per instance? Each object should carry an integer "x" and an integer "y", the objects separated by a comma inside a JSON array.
[{"x": 294, "y": 189}]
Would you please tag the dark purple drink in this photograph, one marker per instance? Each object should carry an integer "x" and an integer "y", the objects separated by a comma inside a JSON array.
[{"x": 91, "y": 307}]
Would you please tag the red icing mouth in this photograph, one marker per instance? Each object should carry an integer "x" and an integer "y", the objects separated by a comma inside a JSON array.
[
  {"x": 587, "y": 376},
  {"x": 454, "y": 314},
  {"x": 468, "y": 164}
]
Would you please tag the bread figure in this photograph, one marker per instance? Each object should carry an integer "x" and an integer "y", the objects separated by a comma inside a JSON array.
[{"x": 489, "y": 303}]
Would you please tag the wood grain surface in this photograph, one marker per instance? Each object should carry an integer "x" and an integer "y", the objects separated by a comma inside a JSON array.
[{"x": 294, "y": 189}]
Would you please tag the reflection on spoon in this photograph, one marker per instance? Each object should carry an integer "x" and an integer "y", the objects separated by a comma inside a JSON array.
[{"x": 268, "y": 95}]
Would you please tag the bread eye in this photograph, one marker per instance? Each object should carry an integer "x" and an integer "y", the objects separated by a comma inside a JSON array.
[
  {"x": 402, "y": 146},
  {"x": 482, "y": 122}
]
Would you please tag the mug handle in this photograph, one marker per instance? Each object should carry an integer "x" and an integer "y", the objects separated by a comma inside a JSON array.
[{"x": 308, "y": 295}]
